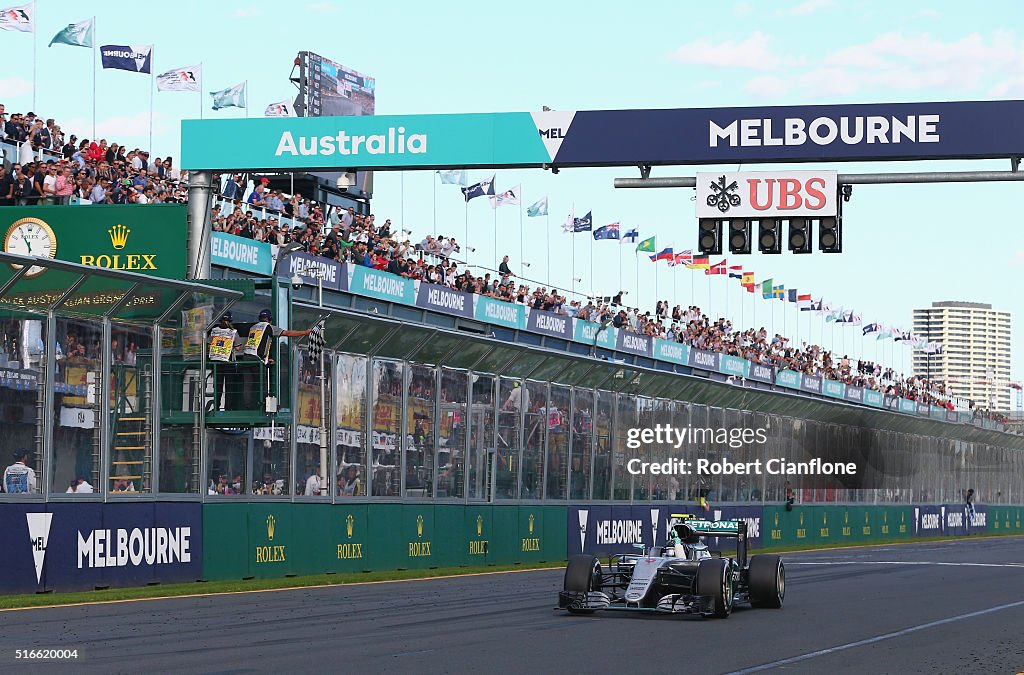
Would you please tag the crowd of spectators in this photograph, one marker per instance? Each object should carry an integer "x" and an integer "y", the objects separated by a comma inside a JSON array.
[
  {"x": 52, "y": 169},
  {"x": 43, "y": 166}
]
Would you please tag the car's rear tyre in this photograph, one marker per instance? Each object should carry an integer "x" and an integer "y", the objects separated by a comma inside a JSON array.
[
  {"x": 582, "y": 575},
  {"x": 714, "y": 579},
  {"x": 766, "y": 579}
]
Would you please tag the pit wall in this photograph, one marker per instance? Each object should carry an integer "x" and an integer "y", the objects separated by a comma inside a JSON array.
[{"x": 77, "y": 547}]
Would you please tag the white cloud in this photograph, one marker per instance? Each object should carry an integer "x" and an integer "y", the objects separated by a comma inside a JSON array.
[
  {"x": 247, "y": 13},
  {"x": 804, "y": 8},
  {"x": 891, "y": 62},
  {"x": 753, "y": 52},
  {"x": 1018, "y": 258},
  {"x": 743, "y": 9},
  {"x": 13, "y": 87}
]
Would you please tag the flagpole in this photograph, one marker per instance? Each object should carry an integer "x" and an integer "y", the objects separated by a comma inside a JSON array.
[
  {"x": 620, "y": 266},
  {"x": 434, "y": 186},
  {"x": 494, "y": 212},
  {"x": 547, "y": 226},
  {"x": 94, "y": 43},
  {"x": 200, "y": 92},
  {"x": 152, "y": 86},
  {"x": 35, "y": 30},
  {"x": 522, "y": 243},
  {"x": 636, "y": 259},
  {"x": 591, "y": 280},
  {"x": 245, "y": 90}
]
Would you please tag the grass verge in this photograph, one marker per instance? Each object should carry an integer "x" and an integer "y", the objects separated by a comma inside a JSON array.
[{"x": 252, "y": 585}]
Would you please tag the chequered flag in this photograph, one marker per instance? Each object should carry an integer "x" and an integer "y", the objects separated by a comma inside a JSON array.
[{"x": 316, "y": 340}]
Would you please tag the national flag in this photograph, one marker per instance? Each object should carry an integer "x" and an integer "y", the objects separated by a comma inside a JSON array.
[
  {"x": 779, "y": 292},
  {"x": 900, "y": 335},
  {"x": 699, "y": 264},
  {"x": 180, "y": 79},
  {"x": 81, "y": 34},
  {"x": 936, "y": 348},
  {"x": 766, "y": 289},
  {"x": 607, "y": 232},
  {"x": 538, "y": 208},
  {"x": 647, "y": 245},
  {"x": 748, "y": 279},
  {"x": 509, "y": 197},
  {"x": 316, "y": 340},
  {"x": 584, "y": 224},
  {"x": 283, "y": 108},
  {"x": 886, "y": 332},
  {"x": 871, "y": 328},
  {"x": 133, "y": 58},
  {"x": 666, "y": 254},
  {"x": 834, "y": 316},
  {"x": 631, "y": 236},
  {"x": 683, "y": 258},
  {"x": 232, "y": 97},
  {"x": 736, "y": 272},
  {"x": 855, "y": 319},
  {"x": 803, "y": 301},
  {"x": 453, "y": 177},
  {"x": 814, "y": 307},
  {"x": 717, "y": 268},
  {"x": 484, "y": 188},
  {"x": 791, "y": 295},
  {"x": 20, "y": 18}
]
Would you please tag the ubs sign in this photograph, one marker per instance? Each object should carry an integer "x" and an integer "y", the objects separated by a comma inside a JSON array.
[{"x": 767, "y": 194}]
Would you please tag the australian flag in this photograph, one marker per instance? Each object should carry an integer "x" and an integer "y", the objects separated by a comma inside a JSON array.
[
  {"x": 484, "y": 188},
  {"x": 584, "y": 224},
  {"x": 607, "y": 232}
]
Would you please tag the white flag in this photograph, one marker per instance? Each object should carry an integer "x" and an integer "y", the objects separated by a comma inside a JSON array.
[
  {"x": 509, "y": 197},
  {"x": 280, "y": 109},
  {"x": 230, "y": 97},
  {"x": 180, "y": 79},
  {"x": 19, "y": 18}
]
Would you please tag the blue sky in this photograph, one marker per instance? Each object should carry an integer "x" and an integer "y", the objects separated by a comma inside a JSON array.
[{"x": 904, "y": 246}]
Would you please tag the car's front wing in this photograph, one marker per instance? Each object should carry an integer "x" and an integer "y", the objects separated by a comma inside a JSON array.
[{"x": 674, "y": 603}]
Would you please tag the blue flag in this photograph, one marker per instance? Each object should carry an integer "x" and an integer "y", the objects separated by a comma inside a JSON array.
[
  {"x": 484, "y": 188},
  {"x": 791, "y": 295},
  {"x": 133, "y": 58},
  {"x": 584, "y": 224},
  {"x": 607, "y": 232}
]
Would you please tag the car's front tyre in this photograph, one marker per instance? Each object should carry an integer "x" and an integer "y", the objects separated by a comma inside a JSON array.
[
  {"x": 582, "y": 575},
  {"x": 766, "y": 579},
  {"x": 714, "y": 579}
]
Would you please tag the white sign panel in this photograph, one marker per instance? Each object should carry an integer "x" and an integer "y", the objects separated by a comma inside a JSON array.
[{"x": 764, "y": 194}]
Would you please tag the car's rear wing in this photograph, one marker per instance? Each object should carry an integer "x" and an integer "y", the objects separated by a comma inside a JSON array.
[{"x": 736, "y": 529}]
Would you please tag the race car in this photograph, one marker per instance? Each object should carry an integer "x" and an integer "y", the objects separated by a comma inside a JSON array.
[{"x": 683, "y": 576}]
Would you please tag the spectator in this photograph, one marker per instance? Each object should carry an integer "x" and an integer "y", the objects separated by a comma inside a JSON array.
[
  {"x": 503, "y": 268},
  {"x": 19, "y": 478}
]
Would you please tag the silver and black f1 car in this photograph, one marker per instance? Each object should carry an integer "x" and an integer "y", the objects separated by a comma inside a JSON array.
[{"x": 682, "y": 577}]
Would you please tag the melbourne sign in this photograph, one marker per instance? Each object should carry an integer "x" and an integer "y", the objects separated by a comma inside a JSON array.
[
  {"x": 839, "y": 133},
  {"x": 763, "y": 194}
]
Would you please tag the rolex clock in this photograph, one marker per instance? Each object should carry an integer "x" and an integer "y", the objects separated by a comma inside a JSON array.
[{"x": 31, "y": 237}]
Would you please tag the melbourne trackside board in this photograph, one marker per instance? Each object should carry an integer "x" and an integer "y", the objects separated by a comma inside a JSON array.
[{"x": 836, "y": 133}]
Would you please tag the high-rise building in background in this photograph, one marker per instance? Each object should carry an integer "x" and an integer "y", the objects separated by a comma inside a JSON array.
[{"x": 975, "y": 357}]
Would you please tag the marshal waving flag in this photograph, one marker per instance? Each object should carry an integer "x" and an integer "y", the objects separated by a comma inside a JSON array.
[
  {"x": 317, "y": 340},
  {"x": 484, "y": 188},
  {"x": 538, "y": 208},
  {"x": 232, "y": 97},
  {"x": 607, "y": 232},
  {"x": 283, "y": 108},
  {"x": 20, "y": 18},
  {"x": 509, "y": 197},
  {"x": 133, "y": 58},
  {"x": 79, "y": 34},
  {"x": 453, "y": 177},
  {"x": 180, "y": 79}
]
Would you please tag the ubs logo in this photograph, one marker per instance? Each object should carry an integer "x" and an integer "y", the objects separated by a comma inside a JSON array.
[{"x": 723, "y": 194}]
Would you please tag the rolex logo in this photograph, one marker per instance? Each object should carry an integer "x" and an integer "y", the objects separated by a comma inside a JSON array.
[
  {"x": 479, "y": 525},
  {"x": 270, "y": 527},
  {"x": 349, "y": 525},
  {"x": 531, "y": 523},
  {"x": 119, "y": 236},
  {"x": 419, "y": 526}
]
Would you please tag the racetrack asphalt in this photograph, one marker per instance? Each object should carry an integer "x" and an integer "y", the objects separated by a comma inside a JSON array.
[{"x": 939, "y": 607}]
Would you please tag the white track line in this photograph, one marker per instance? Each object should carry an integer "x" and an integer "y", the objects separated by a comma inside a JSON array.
[
  {"x": 879, "y": 638},
  {"x": 904, "y": 562}
]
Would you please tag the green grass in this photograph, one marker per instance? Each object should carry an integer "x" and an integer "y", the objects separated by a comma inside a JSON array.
[
  {"x": 248, "y": 585},
  {"x": 241, "y": 586}
]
